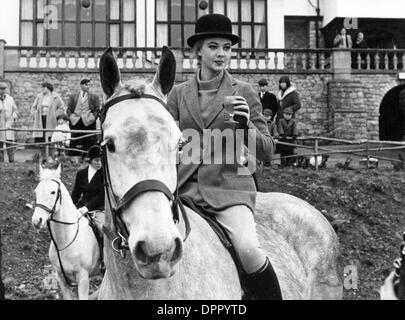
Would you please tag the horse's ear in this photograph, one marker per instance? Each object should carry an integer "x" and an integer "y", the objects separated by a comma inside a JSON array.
[
  {"x": 109, "y": 73},
  {"x": 166, "y": 73},
  {"x": 59, "y": 170},
  {"x": 41, "y": 170}
]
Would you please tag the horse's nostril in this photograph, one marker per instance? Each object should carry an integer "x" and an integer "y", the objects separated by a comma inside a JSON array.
[
  {"x": 141, "y": 252},
  {"x": 178, "y": 250},
  {"x": 40, "y": 220}
]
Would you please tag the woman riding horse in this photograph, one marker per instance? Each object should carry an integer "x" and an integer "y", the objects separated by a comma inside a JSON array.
[
  {"x": 217, "y": 189},
  {"x": 88, "y": 191}
]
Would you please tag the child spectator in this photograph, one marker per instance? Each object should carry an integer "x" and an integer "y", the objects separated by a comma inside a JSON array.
[
  {"x": 288, "y": 132},
  {"x": 61, "y": 139},
  {"x": 268, "y": 116}
]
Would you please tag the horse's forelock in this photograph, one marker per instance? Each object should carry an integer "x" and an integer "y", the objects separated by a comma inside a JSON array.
[
  {"x": 128, "y": 87},
  {"x": 49, "y": 174}
]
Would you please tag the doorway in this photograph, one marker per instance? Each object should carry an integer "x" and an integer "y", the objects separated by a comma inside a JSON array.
[{"x": 391, "y": 120}]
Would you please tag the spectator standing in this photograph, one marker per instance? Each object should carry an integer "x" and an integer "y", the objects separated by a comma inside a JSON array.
[
  {"x": 267, "y": 99},
  {"x": 46, "y": 107},
  {"x": 360, "y": 43},
  {"x": 287, "y": 97},
  {"x": 8, "y": 115},
  {"x": 342, "y": 40},
  {"x": 268, "y": 116},
  {"x": 61, "y": 139},
  {"x": 288, "y": 132},
  {"x": 83, "y": 110}
]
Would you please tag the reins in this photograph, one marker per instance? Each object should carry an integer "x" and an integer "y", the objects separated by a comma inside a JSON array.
[
  {"x": 48, "y": 223},
  {"x": 119, "y": 237}
]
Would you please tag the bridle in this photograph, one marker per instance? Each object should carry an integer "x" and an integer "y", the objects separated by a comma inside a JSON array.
[
  {"x": 51, "y": 213},
  {"x": 120, "y": 236}
]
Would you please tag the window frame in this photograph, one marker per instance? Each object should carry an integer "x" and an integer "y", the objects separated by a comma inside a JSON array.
[
  {"x": 107, "y": 22},
  {"x": 238, "y": 23},
  {"x": 169, "y": 23}
]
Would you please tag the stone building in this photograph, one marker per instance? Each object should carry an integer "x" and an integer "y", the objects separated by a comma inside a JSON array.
[{"x": 345, "y": 93}]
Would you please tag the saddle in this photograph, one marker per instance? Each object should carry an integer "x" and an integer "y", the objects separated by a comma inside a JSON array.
[{"x": 220, "y": 232}]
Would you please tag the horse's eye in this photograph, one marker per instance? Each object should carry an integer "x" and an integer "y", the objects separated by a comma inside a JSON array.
[
  {"x": 53, "y": 192},
  {"x": 110, "y": 146}
]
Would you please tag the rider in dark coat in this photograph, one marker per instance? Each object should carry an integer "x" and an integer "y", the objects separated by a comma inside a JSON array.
[{"x": 88, "y": 191}]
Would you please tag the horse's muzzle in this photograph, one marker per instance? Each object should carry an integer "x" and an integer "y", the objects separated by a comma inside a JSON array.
[{"x": 157, "y": 265}]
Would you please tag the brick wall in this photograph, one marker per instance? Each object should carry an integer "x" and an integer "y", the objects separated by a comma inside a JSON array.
[{"x": 357, "y": 100}]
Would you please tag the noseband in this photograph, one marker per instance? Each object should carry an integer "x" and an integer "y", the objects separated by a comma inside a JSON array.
[{"x": 120, "y": 237}]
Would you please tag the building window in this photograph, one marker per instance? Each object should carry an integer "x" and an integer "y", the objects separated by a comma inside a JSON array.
[
  {"x": 104, "y": 23},
  {"x": 175, "y": 20}
]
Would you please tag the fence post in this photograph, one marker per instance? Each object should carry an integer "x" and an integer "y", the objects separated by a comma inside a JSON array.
[
  {"x": 316, "y": 154},
  {"x": 2, "y": 58}
]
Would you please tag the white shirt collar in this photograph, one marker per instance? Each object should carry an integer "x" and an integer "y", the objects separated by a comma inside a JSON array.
[{"x": 91, "y": 174}]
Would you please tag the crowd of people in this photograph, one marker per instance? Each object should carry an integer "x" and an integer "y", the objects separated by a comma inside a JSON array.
[
  {"x": 280, "y": 112},
  {"x": 83, "y": 107},
  {"x": 53, "y": 120}
]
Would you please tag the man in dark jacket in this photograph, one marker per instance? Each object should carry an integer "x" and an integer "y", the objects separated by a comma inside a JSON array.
[
  {"x": 83, "y": 109},
  {"x": 88, "y": 191},
  {"x": 268, "y": 100}
]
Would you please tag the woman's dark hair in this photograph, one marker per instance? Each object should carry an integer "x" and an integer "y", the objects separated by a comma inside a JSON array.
[
  {"x": 62, "y": 116},
  {"x": 47, "y": 85},
  {"x": 285, "y": 79}
]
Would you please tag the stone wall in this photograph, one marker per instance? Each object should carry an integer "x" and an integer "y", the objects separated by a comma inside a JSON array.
[
  {"x": 374, "y": 88},
  {"x": 340, "y": 108},
  {"x": 26, "y": 86}
]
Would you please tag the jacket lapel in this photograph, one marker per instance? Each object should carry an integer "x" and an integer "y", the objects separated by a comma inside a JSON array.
[
  {"x": 226, "y": 89},
  {"x": 191, "y": 99},
  {"x": 77, "y": 98}
]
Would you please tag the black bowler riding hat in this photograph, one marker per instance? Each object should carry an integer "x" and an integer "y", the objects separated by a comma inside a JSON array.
[
  {"x": 94, "y": 152},
  {"x": 212, "y": 26}
]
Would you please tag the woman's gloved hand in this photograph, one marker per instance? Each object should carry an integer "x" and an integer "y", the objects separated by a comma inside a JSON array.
[
  {"x": 241, "y": 112},
  {"x": 83, "y": 210}
]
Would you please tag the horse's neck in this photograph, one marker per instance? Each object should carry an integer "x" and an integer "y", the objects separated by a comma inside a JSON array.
[{"x": 67, "y": 213}]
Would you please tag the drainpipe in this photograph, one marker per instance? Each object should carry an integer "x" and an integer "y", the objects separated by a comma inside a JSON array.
[
  {"x": 318, "y": 14},
  {"x": 2, "y": 58}
]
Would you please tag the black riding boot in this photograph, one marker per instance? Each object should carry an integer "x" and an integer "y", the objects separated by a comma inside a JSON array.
[{"x": 263, "y": 285}]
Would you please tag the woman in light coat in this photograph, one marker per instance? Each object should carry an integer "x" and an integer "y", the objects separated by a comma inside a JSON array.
[
  {"x": 8, "y": 115},
  {"x": 46, "y": 107}
]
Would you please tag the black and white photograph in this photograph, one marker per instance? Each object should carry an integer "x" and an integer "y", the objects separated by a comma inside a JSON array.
[{"x": 202, "y": 150}]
